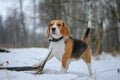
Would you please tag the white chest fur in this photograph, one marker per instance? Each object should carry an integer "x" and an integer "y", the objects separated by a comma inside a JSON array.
[{"x": 58, "y": 49}]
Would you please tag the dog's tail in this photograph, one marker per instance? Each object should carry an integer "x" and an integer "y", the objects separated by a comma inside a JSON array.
[{"x": 85, "y": 38}]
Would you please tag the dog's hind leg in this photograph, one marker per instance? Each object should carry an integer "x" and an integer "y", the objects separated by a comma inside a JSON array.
[{"x": 87, "y": 59}]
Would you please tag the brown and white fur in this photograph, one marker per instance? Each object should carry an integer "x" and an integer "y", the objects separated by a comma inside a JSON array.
[{"x": 66, "y": 48}]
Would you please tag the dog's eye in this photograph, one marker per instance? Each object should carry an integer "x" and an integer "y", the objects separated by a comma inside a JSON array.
[
  {"x": 58, "y": 24},
  {"x": 51, "y": 24}
]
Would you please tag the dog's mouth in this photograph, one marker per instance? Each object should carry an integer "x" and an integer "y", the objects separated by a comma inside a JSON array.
[{"x": 53, "y": 32}]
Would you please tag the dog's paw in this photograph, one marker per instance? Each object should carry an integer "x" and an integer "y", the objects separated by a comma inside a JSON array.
[{"x": 63, "y": 70}]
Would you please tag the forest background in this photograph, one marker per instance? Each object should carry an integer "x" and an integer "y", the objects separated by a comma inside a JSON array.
[{"x": 23, "y": 23}]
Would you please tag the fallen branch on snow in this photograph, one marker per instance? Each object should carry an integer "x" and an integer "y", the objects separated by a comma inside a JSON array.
[
  {"x": 28, "y": 68},
  {"x": 118, "y": 70},
  {"x": 40, "y": 70},
  {"x": 3, "y": 50}
]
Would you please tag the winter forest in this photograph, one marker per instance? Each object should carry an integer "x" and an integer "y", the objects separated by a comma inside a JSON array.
[
  {"x": 24, "y": 43},
  {"x": 23, "y": 23}
]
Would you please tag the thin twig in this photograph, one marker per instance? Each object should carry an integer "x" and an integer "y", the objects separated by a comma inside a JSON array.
[{"x": 42, "y": 66}]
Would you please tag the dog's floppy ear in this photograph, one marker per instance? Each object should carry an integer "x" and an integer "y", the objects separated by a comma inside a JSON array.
[
  {"x": 48, "y": 30},
  {"x": 65, "y": 30}
]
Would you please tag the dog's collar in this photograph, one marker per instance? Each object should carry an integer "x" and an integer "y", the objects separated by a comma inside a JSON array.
[{"x": 55, "y": 40}]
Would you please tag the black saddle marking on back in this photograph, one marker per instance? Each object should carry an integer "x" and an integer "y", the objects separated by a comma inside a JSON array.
[{"x": 78, "y": 48}]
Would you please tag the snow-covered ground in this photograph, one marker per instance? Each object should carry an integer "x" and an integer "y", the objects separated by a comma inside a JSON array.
[{"x": 103, "y": 69}]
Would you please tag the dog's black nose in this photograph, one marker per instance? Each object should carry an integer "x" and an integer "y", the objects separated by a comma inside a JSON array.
[{"x": 53, "y": 29}]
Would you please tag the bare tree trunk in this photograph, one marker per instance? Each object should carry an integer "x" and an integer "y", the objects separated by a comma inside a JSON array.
[
  {"x": 99, "y": 39},
  {"x": 24, "y": 39},
  {"x": 34, "y": 22},
  {"x": 100, "y": 28}
]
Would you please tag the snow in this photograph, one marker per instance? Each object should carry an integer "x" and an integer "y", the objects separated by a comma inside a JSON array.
[{"x": 103, "y": 69}]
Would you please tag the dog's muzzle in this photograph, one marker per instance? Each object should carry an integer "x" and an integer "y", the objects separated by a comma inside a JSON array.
[{"x": 53, "y": 30}]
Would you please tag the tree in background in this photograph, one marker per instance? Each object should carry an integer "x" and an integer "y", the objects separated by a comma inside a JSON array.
[
  {"x": 2, "y": 33},
  {"x": 13, "y": 30},
  {"x": 22, "y": 20}
]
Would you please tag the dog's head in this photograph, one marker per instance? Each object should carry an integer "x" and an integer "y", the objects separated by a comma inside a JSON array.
[{"x": 57, "y": 28}]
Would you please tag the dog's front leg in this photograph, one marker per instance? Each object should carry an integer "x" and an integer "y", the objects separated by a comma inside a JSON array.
[{"x": 65, "y": 64}]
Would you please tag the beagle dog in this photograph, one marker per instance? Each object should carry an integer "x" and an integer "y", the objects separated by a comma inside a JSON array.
[{"x": 66, "y": 48}]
